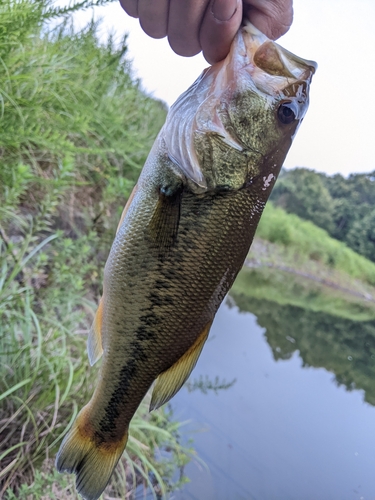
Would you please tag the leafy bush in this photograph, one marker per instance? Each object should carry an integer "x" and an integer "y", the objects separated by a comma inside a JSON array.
[{"x": 353, "y": 198}]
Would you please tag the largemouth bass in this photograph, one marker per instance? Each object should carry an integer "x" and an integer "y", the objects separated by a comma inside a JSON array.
[{"x": 183, "y": 237}]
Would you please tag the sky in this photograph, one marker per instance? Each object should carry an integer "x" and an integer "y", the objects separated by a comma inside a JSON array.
[{"x": 338, "y": 132}]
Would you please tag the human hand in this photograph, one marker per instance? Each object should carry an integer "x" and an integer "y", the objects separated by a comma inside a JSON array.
[{"x": 208, "y": 25}]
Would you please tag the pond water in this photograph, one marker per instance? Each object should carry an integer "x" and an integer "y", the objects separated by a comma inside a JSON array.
[{"x": 298, "y": 421}]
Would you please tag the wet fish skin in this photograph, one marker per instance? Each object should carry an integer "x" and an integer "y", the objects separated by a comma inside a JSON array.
[{"x": 182, "y": 241}]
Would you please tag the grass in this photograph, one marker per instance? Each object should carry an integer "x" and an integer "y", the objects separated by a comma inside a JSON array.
[
  {"x": 45, "y": 377},
  {"x": 302, "y": 241},
  {"x": 294, "y": 262},
  {"x": 75, "y": 130}
]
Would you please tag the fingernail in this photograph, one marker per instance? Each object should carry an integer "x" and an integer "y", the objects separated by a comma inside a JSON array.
[{"x": 223, "y": 10}]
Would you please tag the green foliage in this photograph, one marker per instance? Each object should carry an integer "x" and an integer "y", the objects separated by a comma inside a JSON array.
[
  {"x": 361, "y": 236},
  {"x": 48, "y": 484},
  {"x": 302, "y": 191},
  {"x": 353, "y": 197},
  {"x": 75, "y": 130},
  {"x": 307, "y": 241},
  {"x": 72, "y": 114},
  {"x": 335, "y": 203},
  {"x": 41, "y": 355}
]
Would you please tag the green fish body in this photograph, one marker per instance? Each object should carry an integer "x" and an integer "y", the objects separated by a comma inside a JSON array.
[{"x": 182, "y": 240}]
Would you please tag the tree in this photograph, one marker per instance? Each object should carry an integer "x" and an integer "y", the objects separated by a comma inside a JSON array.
[
  {"x": 354, "y": 198},
  {"x": 302, "y": 191},
  {"x": 361, "y": 236}
]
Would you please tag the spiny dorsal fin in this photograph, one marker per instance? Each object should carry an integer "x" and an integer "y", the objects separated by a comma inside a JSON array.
[
  {"x": 165, "y": 220},
  {"x": 170, "y": 382},
  {"x": 94, "y": 340},
  {"x": 128, "y": 203}
]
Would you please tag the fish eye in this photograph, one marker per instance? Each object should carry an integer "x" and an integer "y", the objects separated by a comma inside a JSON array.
[{"x": 286, "y": 112}]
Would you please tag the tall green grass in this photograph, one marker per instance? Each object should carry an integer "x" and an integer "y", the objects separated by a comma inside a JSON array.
[
  {"x": 45, "y": 377},
  {"x": 75, "y": 130},
  {"x": 303, "y": 241}
]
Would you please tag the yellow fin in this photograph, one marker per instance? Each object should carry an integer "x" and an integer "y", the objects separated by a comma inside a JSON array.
[
  {"x": 128, "y": 203},
  {"x": 94, "y": 340},
  {"x": 93, "y": 462},
  {"x": 170, "y": 382}
]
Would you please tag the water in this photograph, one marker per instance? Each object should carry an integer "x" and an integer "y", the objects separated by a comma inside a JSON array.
[{"x": 297, "y": 423}]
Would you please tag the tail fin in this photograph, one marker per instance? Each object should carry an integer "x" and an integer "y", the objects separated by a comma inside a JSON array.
[{"x": 93, "y": 463}]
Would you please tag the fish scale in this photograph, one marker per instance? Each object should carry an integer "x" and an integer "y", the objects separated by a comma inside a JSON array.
[{"x": 182, "y": 239}]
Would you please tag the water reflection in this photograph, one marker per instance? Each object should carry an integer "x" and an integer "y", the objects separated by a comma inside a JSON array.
[
  {"x": 205, "y": 384},
  {"x": 283, "y": 430},
  {"x": 340, "y": 345}
]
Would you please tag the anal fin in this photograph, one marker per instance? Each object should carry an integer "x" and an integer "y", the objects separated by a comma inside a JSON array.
[
  {"x": 170, "y": 382},
  {"x": 94, "y": 340}
]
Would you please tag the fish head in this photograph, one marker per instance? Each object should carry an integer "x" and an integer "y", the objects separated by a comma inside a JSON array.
[
  {"x": 238, "y": 120},
  {"x": 267, "y": 100}
]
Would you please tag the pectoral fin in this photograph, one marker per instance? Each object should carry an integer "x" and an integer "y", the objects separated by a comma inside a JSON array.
[
  {"x": 94, "y": 341},
  {"x": 164, "y": 223},
  {"x": 170, "y": 382}
]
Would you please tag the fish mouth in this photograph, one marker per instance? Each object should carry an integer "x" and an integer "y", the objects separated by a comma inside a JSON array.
[{"x": 271, "y": 67}]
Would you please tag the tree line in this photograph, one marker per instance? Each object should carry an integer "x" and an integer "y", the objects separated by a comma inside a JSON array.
[{"x": 344, "y": 207}]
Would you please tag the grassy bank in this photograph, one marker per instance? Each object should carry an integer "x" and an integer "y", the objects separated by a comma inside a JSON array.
[
  {"x": 294, "y": 262},
  {"x": 75, "y": 130},
  {"x": 299, "y": 241}
]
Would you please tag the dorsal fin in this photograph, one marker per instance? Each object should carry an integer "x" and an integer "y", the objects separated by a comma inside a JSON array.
[
  {"x": 94, "y": 340},
  {"x": 170, "y": 382}
]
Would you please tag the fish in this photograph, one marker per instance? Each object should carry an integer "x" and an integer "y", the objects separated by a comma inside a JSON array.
[{"x": 182, "y": 239}]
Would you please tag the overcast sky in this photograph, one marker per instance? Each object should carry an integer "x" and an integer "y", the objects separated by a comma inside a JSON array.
[{"x": 338, "y": 133}]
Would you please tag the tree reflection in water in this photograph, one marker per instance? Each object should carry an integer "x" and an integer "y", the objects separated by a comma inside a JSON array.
[{"x": 340, "y": 345}]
